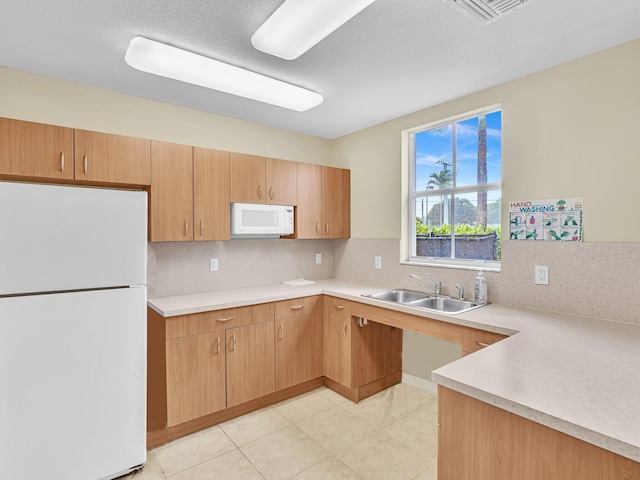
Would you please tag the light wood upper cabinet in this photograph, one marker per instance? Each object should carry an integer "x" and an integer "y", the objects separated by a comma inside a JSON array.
[
  {"x": 324, "y": 202},
  {"x": 309, "y": 210},
  {"x": 35, "y": 150},
  {"x": 247, "y": 178},
  {"x": 256, "y": 179},
  {"x": 195, "y": 376},
  {"x": 336, "y": 203},
  {"x": 250, "y": 362},
  {"x": 211, "y": 194},
  {"x": 281, "y": 182},
  {"x": 171, "y": 198},
  {"x": 102, "y": 157}
]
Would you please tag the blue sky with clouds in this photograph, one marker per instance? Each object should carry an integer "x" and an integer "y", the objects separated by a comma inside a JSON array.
[{"x": 433, "y": 147}]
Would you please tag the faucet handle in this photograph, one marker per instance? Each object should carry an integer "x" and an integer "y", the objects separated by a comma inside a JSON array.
[{"x": 460, "y": 288}]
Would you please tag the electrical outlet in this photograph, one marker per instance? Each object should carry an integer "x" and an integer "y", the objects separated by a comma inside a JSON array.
[
  {"x": 214, "y": 265},
  {"x": 378, "y": 263},
  {"x": 542, "y": 275},
  {"x": 318, "y": 258}
]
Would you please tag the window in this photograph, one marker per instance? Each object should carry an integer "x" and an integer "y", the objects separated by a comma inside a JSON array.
[{"x": 455, "y": 175}]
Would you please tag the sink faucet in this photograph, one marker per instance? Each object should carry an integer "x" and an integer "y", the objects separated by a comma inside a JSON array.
[
  {"x": 435, "y": 284},
  {"x": 460, "y": 291}
]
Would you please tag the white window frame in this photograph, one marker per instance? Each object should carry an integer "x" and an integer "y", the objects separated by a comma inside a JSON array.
[{"x": 408, "y": 245}]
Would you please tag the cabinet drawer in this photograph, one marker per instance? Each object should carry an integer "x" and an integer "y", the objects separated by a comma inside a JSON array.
[
  {"x": 474, "y": 340},
  {"x": 195, "y": 323},
  {"x": 337, "y": 305},
  {"x": 295, "y": 307}
]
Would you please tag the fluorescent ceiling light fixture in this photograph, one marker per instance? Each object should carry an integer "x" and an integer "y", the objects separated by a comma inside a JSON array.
[
  {"x": 297, "y": 25},
  {"x": 171, "y": 62}
]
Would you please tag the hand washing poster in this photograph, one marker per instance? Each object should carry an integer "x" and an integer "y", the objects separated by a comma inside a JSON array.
[{"x": 549, "y": 220}]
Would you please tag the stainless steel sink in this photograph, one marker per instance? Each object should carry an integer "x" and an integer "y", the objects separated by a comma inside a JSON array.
[
  {"x": 423, "y": 300},
  {"x": 445, "y": 304},
  {"x": 399, "y": 295}
]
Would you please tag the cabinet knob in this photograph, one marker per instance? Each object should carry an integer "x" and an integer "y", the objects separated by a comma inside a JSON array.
[
  {"x": 297, "y": 307},
  {"x": 186, "y": 227},
  {"x": 318, "y": 228},
  {"x": 338, "y": 307},
  {"x": 344, "y": 329},
  {"x": 232, "y": 343},
  {"x": 281, "y": 332},
  {"x": 62, "y": 161},
  {"x": 271, "y": 193},
  {"x": 218, "y": 345},
  {"x": 326, "y": 228},
  {"x": 201, "y": 228},
  {"x": 482, "y": 344},
  {"x": 227, "y": 319},
  {"x": 260, "y": 191},
  {"x": 86, "y": 162}
]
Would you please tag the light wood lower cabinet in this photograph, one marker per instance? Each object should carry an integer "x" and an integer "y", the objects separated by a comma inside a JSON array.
[
  {"x": 361, "y": 357},
  {"x": 474, "y": 339},
  {"x": 478, "y": 441},
  {"x": 298, "y": 340},
  {"x": 250, "y": 362},
  {"x": 195, "y": 376}
]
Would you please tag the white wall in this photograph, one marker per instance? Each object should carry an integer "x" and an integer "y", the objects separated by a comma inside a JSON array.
[
  {"x": 570, "y": 131},
  {"x": 36, "y": 98}
]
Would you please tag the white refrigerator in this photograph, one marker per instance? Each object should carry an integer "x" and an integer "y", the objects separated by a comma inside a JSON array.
[{"x": 72, "y": 332}]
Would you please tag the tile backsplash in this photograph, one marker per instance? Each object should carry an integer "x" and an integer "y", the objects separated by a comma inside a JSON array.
[
  {"x": 175, "y": 268},
  {"x": 593, "y": 279}
]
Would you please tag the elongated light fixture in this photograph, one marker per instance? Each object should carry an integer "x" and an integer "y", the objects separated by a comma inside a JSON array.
[
  {"x": 297, "y": 25},
  {"x": 167, "y": 61}
]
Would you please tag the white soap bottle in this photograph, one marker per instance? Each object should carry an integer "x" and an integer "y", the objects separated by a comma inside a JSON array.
[{"x": 480, "y": 289}]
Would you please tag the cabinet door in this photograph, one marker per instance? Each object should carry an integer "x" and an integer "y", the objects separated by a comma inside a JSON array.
[
  {"x": 102, "y": 157},
  {"x": 247, "y": 178},
  {"x": 298, "y": 349},
  {"x": 35, "y": 149},
  {"x": 337, "y": 348},
  {"x": 211, "y": 194},
  {"x": 309, "y": 209},
  {"x": 250, "y": 362},
  {"x": 195, "y": 376},
  {"x": 281, "y": 182},
  {"x": 377, "y": 351},
  {"x": 171, "y": 198},
  {"x": 336, "y": 203}
]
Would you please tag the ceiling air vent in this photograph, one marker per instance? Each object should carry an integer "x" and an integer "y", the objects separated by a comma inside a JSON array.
[{"x": 485, "y": 11}]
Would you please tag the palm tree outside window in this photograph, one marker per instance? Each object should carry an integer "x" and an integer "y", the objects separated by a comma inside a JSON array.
[{"x": 455, "y": 189}]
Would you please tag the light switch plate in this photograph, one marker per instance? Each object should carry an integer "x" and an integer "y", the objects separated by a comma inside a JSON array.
[
  {"x": 378, "y": 263},
  {"x": 214, "y": 265},
  {"x": 318, "y": 258},
  {"x": 542, "y": 275}
]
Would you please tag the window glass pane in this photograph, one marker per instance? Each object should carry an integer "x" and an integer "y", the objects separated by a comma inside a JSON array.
[
  {"x": 433, "y": 226},
  {"x": 458, "y": 156},
  {"x": 477, "y": 226},
  {"x": 434, "y": 158},
  {"x": 494, "y": 147},
  {"x": 467, "y": 152}
]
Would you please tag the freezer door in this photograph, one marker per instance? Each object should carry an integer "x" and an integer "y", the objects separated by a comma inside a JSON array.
[
  {"x": 57, "y": 238},
  {"x": 73, "y": 384}
]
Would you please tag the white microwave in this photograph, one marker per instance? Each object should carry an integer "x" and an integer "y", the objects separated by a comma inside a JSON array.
[{"x": 250, "y": 220}]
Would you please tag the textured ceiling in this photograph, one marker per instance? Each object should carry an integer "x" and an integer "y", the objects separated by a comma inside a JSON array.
[{"x": 396, "y": 57}]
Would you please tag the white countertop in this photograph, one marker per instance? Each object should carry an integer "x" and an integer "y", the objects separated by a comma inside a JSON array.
[{"x": 577, "y": 375}]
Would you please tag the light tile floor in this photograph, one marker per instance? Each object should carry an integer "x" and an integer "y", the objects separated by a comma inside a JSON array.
[{"x": 316, "y": 436}]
